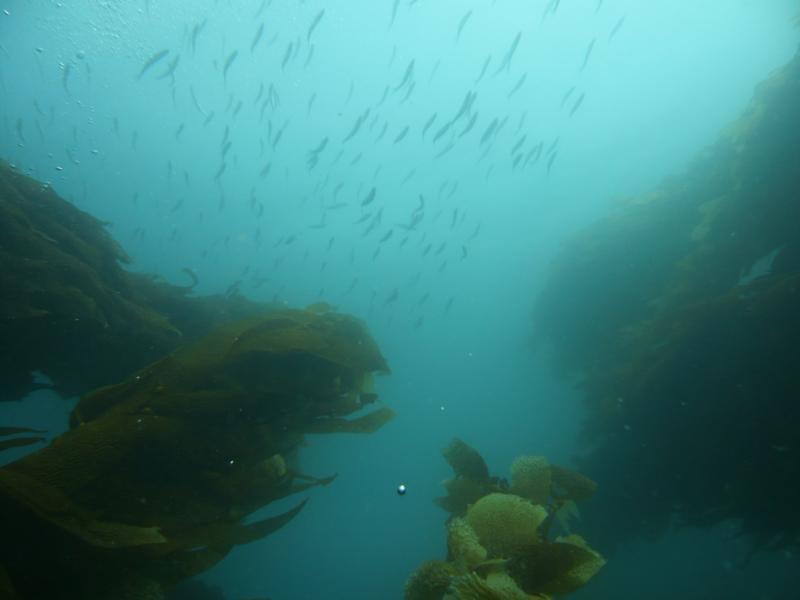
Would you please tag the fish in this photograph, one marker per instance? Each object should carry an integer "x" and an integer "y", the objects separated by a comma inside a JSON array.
[
  {"x": 401, "y": 135},
  {"x": 363, "y": 219},
  {"x": 350, "y": 92},
  {"x": 395, "y": 5},
  {"x": 171, "y": 67},
  {"x": 550, "y": 9},
  {"x": 385, "y": 95},
  {"x": 518, "y": 145},
  {"x": 469, "y": 126},
  {"x": 195, "y": 32},
  {"x": 314, "y": 24},
  {"x": 257, "y": 38},
  {"x": 442, "y": 131},
  {"x": 196, "y": 102},
  {"x": 280, "y": 132},
  {"x": 220, "y": 171},
  {"x": 506, "y": 62},
  {"x": 577, "y": 104},
  {"x": 354, "y": 130},
  {"x": 616, "y": 28},
  {"x": 551, "y": 161},
  {"x": 466, "y": 104},
  {"x": 152, "y": 61},
  {"x": 313, "y": 155},
  {"x": 374, "y": 122},
  {"x": 599, "y": 6},
  {"x": 406, "y": 179},
  {"x": 320, "y": 147},
  {"x": 311, "y": 103},
  {"x": 588, "y": 53},
  {"x": 535, "y": 153},
  {"x": 408, "y": 93},
  {"x": 65, "y": 77},
  {"x": 209, "y": 118},
  {"x": 369, "y": 198},
  {"x": 483, "y": 70},
  {"x": 386, "y": 236},
  {"x": 519, "y": 84},
  {"x": 462, "y": 23},
  {"x": 406, "y": 76},
  {"x": 434, "y": 70},
  {"x": 228, "y": 62},
  {"x": 179, "y": 131},
  {"x": 553, "y": 146},
  {"x": 446, "y": 149},
  {"x": 309, "y": 56},
  {"x": 521, "y": 121},
  {"x": 489, "y": 131},
  {"x": 428, "y": 124},
  {"x": 287, "y": 55},
  {"x": 383, "y": 132},
  {"x": 566, "y": 96},
  {"x": 392, "y": 297}
]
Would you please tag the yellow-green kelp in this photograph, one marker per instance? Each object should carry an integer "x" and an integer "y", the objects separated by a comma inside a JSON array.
[
  {"x": 158, "y": 475},
  {"x": 499, "y": 535}
]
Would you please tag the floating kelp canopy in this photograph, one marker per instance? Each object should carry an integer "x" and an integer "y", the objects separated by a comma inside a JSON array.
[
  {"x": 680, "y": 312},
  {"x": 158, "y": 475},
  {"x": 69, "y": 310},
  {"x": 501, "y": 537}
]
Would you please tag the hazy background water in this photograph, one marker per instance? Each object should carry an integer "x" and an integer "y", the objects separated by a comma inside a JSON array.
[{"x": 75, "y": 115}]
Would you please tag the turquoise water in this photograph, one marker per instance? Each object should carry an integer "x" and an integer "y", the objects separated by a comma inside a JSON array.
[{"x": 207, "y": 159}]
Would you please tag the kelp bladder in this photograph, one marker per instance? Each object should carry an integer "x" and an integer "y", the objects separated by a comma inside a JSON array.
[
  {"x": 501, "y": 548},
  {"x": 158, "y": 474}
]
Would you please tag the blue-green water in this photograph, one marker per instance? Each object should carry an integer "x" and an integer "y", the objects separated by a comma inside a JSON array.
[{"x": 206, "y": 160}]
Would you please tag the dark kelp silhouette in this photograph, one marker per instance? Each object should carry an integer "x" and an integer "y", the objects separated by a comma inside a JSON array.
[
  {"x": 69, "y": 309},
  {"x": 680, "y": 314},
  {"x": 157, "y": 476},
  {"x": 500, "y": 536}
]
